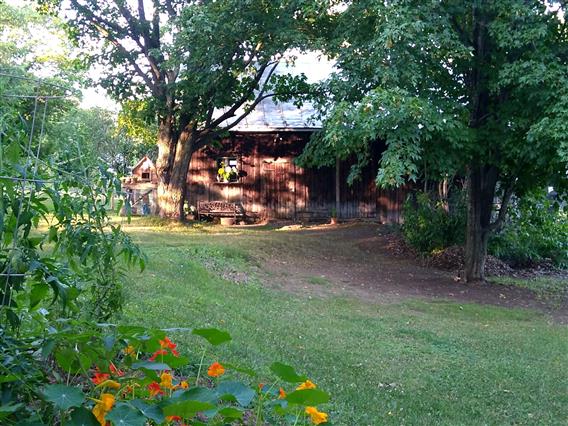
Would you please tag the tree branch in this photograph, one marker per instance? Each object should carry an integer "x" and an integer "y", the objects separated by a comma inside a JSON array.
[
  {"x": 497, "y": 225},
  {"x": 231, "y": 111},
  {"x": 133, "y": 63},
  {"x": 248, "y": 111}
]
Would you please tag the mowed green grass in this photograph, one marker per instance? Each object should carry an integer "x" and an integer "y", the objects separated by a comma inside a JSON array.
[{"x": 416, "y": 362}]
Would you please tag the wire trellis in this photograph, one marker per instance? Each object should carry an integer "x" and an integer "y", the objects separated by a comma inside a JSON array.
[{"x": 27, "y": 177}]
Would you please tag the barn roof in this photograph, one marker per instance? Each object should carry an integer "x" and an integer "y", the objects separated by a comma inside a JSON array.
[{"x": 269, "y": 115}]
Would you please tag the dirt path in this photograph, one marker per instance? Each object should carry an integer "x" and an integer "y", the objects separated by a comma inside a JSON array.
[{"x": 354, "y": 259}]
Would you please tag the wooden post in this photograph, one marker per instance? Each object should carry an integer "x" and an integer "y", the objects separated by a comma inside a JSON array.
[
  {"x": 337, "y": 188},
  {"x": 294, "y": 192}
]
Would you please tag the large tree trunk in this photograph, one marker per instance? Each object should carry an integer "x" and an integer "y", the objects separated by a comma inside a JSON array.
[
  {"x": 174, "y": 156},
  {"x": 481, "y": 179},
  {"x": 481, "y": 185}
]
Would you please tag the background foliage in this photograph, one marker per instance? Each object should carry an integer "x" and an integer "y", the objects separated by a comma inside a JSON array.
[
  {"x": 429, "y": 225},
  {"x": 536, "y": 231}
]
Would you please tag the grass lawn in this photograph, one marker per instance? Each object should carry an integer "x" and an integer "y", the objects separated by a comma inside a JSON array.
[{"x": 414, "y": 362}]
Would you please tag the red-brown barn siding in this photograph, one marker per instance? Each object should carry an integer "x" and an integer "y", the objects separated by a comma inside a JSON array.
[{"x": 275, "y": 187}]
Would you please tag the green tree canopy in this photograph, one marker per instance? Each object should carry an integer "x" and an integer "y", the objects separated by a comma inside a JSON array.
[
  {"x": 476, "y": 87},
  {"x": 199, "y": 66}
]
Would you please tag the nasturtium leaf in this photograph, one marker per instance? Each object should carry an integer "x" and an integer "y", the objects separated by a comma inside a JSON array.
[
  {"x": 198, "y": 394},
  {"x": 174, "y": 361},
  {"x": 85, "y": 361},
  {"x": 242, "y": 393},
  {"x": 152, "y": 412},
  {"x": 231, "y": 413},
  {"x": 286, "y": 373},
  {"x": 125, "y": 415},
  {"x": 187, "y": 409},
  {"x": 63, "y": 397},
  {"x": 209, "y": 414},
  {"x": 131, "y": 330},
  {"x": 149, "y": 365},
  {"x": 66, "y": 359},
  {"x": 109, "y": 340},
  {"x": 212, "y": 335},
  {"x": 82, "y": 417},
  {"x": 308, "y": 397}
]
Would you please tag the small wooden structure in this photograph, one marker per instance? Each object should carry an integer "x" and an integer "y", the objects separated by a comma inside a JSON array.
[{"x": 141, "y": 187}]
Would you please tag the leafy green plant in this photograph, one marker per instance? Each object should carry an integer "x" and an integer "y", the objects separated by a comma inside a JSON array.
[
  {"x": 537, "y": 230},
  {"x": 134, "y": 375},
  {"x": 58, "y": 244},
  {"x": 428, "y": 226}
]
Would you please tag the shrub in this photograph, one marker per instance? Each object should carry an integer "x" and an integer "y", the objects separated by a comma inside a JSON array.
[
  {"x": 428, "y": 226},
  {"x": 536, "y": 231}
]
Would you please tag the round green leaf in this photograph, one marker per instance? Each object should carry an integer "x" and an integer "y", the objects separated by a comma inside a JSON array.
[
  {"x": 149, "y": 365},
  {"x": 212, "y": 335},
  {"x": 286, "y": 373},
  {"x": 126, "y": 415},
  {"x": 242, "y": 393},
  {"x": 187, "y": 409},
  {"x": 231, "y": 413},
  {"x": 63, "y": 397},
  {"x": 82, "y": 417},
  {"x": 152, "y": 412}
]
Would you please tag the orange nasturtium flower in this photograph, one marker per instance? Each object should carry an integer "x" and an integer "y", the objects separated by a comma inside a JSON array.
[
  {"x": 166, "y": 380},
  {"x": 98, "y": 378},
  {"x": 183, "y": 384},
  {"x": 173, "y": 418},
  {"x": 306, "y": 385},
  {"x": 130, "y": 351},
  {"x": 113, "y": 384},
  {"x": 316, "y": 416},
  {"x": 168, "y": 344},
  {"x": 158, "y": 352},
  {"x": 155, "y": 389},
  {"x": 216, "y": 370},
  {"x": 281, "y": 393},
  {"x": 102, "y": 407}
]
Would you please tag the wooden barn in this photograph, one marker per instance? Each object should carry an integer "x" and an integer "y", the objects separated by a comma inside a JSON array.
[
  {"x": 256, "y": 169},
  {"x": 253, "y": 171}
]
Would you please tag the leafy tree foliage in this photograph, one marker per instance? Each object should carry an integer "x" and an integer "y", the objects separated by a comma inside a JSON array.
[
  {"x": 475, "y": 87},
  {"x": 83, "y": 139},
  {"x": 73, "y": 139},
  {"x": 31, "y": 42},
  {"x": 199, "y": 67}
]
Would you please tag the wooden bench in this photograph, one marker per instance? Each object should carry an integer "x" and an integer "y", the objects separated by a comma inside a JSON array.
[{"x": 212, "y": 209}]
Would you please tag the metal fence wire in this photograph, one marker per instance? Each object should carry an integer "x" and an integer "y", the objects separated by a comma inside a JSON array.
[{"x": 25, "y": 176}]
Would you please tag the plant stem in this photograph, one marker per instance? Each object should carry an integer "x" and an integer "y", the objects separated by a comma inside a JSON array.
[
  {"x": 297, "y": 417},
  {"x": 200, "y": 365},
  {"x": 259, "y": 411}
]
